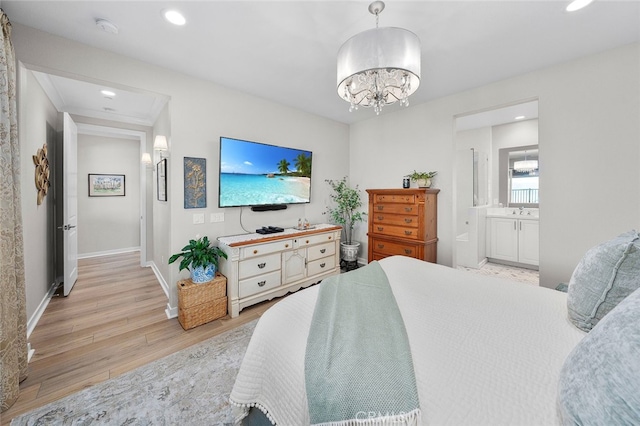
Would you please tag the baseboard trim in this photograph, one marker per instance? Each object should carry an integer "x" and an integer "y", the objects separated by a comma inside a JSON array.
[
  {"x": 33, "y": 321},
  {"x": 171, "y": 312},
  {"x": 108, "y": 252}
]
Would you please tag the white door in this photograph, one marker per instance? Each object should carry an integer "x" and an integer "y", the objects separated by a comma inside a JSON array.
[{"x": 70, "y": 202}]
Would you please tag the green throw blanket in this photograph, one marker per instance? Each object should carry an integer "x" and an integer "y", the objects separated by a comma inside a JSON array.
[{"x": 358, "y": 366}]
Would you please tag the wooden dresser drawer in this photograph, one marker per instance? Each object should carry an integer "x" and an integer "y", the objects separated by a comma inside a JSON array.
[
  {"x": 396, "y": 209},
  {"x": 259, "y": 265},
  {"x": 259, "y": 284},
  {"x": 390, "y": 248},
  {"x": 395, "y": 219},
  {"x": 321, "y": 265},
  {"x": 396, "y": 231},
  {"x": 321, "y": 250},
  {"x": 395, "y": 198},
  {"x": 262, "y": 249}
]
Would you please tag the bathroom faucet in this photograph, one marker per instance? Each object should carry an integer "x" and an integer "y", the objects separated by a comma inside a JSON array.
[{"x": 521, "y": 209}]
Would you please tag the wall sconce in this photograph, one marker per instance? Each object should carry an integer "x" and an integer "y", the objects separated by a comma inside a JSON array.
[
  {"x": 146, "y": 159},
  {"x": 160, "y": 144}
]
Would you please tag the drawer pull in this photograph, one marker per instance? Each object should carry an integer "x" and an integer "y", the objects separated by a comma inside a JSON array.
[
  {"x": 262, "y": 265},
  {"x": 380, "y": 228},
  {"x": 408, "y": 220},
  {"x": 255, "y": 252},
  {"x": 322, "y": 265},
  {"x": 408, "y": 209},
  {"x": 323, "y": 250},
  {"x": 286, "y": 246},
  {"x": 380, "y": 207},
  {"x": 330, "y": 237},
  {"x": 408, "y": 232},
  {"x": 307, "y": 242},
  {"x": 380, "y": 217},
  {"x": 380, "y": 246},
  {"x": 262, "y": 283},
  {"x": 408, "y": 251}
]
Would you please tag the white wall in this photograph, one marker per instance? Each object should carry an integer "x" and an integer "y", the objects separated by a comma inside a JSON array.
[
  {"x": 201, "y": 112},
  {"x": 161, "y": 209},
  {"x": 589, "y": 136},
  {"x": 37, "y": 124},
  {"x": 108, "y": 224}
]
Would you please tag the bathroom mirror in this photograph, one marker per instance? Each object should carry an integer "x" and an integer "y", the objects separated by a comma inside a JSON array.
[{"x": 519, "y": 176}]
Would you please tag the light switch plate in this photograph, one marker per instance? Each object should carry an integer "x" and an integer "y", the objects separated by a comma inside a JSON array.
[{"x": 198, "y": 218}]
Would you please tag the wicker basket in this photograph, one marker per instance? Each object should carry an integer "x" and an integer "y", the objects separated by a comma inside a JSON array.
[
  {"x": 201, "y": 303},
  {"x": 203, "y": 313}
]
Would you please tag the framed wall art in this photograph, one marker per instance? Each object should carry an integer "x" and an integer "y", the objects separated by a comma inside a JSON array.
[
  {"x": 106, "y": 185},
  {"x": 195, "y": 183},
  {"x": 161, "y": 172}
]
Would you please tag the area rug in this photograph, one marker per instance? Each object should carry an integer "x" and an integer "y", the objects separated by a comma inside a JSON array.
[{"x": 190, "y": 387}]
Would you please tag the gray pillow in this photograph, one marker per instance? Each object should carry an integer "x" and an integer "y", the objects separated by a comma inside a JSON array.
[
  {"x": 607, "y": 274},
  {"x": 599, "y": 383}
]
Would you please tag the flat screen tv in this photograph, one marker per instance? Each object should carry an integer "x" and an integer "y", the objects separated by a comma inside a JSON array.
[{"x": 257, "y": 174}]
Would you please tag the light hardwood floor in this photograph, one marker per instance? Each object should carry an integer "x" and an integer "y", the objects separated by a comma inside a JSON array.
[{"x": 112, "y": 322}]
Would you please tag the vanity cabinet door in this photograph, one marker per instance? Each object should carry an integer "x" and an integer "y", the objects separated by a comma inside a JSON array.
[
  {"x": 529, "y": 242},
  {"x": 504, "y": 239}
]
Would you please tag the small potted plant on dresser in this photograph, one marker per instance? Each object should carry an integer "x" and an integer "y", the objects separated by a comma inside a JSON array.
[
  {"x": 200, "y": 258},
  {"x": 423, "y": 179},
  {"x": 345, "y": 212}
]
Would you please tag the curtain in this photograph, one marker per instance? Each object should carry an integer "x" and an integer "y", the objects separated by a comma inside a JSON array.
[{"x": 13, "y": 315}]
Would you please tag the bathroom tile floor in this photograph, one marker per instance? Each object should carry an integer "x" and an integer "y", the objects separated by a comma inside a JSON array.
[{"x": 528, "y": 276}]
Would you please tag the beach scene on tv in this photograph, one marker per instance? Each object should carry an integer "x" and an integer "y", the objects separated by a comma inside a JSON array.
[{"x": 254, "y": 174}]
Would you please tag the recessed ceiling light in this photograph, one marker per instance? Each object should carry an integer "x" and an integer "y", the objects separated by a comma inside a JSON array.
[
  {"x": 108, "y": 93},
  {"x": 520, "y": 117},
  {"x": 174, "y": 17},
  {"x": 578, "y": 4}
]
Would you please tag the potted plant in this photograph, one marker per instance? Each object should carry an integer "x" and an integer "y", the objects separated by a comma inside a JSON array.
[
  {"x": 200, "y": 258},
  {"x": 422, "y": 178},
  {"x": 345, "y": 212}
]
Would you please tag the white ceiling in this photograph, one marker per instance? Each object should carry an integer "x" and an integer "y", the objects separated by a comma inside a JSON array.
[{"x": 285, "y": 51}]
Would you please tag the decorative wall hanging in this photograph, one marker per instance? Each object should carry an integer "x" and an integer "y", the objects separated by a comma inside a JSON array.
[
  {"x": 195, "y": 183},
  {"x": 106, "y": 185},
  {"x": 42, "y": 173},
  {"x": 161, "y": 172}
]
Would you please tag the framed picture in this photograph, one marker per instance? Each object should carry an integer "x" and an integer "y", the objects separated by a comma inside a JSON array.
[
  {"x": 105, "y": 185},
  {"x": 195, "y": 183},
  {"x": 161, "y": 172}
]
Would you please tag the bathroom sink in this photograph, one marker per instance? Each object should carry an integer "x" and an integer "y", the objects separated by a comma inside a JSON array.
[{"x": 510, "y": 212}]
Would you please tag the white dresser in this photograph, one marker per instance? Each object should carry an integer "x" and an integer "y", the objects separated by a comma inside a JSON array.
[{"x": 260, "y": 267}]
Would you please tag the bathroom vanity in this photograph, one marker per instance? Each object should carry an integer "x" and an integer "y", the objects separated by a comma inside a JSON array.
[{"x": 513, "y": 236}]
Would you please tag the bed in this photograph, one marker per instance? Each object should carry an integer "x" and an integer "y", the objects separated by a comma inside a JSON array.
[{"x": 486, "y": 351}]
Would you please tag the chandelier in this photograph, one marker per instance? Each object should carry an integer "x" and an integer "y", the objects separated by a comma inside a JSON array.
[
  {"x": 525, "y": 166},
  {"x": 379, "y": 67}
]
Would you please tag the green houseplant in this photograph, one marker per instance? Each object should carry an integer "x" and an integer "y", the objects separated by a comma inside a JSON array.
[
  {"x": 423, "y": 179},
  {"x": 200, "y": 258},
  {"x": 345, "y": 212}
]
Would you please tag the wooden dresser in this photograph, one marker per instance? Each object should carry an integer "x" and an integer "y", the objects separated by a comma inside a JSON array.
[{"x": 403, "y": 222}]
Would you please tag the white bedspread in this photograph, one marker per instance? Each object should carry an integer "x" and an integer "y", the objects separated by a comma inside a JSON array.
[{"x": 486, "y": 351}]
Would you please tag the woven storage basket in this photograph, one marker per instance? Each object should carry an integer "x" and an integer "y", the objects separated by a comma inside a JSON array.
[
  {"x": 190, "y": 294},
  {"x": 203, "y": 313},
  {"x": 201, "y": 303}
]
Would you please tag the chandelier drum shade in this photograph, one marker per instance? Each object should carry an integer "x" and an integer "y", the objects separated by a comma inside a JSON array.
[
  {"x": 525, "y": 166},
  {"x": 379, "y": 67}
]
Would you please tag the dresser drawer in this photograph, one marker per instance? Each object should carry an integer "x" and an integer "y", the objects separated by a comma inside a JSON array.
[
  {"x": 262, "y": 249},
  {"x": 315, "y": 239},
  {"x": 389, "y": 248},
  {"x": 259, "y": 265},
  {"x": 321, "y": 250},
  {"x": 396, "y": 231},
  {"x": 405, "y": 209},
  {"x": 395, "y": 219},
  {"x": 395, "y": 198},
  {"x": 320, "y": 266},
  {"x": 258, "y": 284}
]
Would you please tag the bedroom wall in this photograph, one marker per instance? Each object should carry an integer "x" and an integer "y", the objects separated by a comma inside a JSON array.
[
  {"x": 589, "y": 151},
  {"x": 108, "y": 224},
  {"x": 200, "y": 113},
  {"x": 37, "y": 124}
]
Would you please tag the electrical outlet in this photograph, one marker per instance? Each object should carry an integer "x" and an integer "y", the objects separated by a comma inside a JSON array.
[{"x": 198, "y": 218}]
